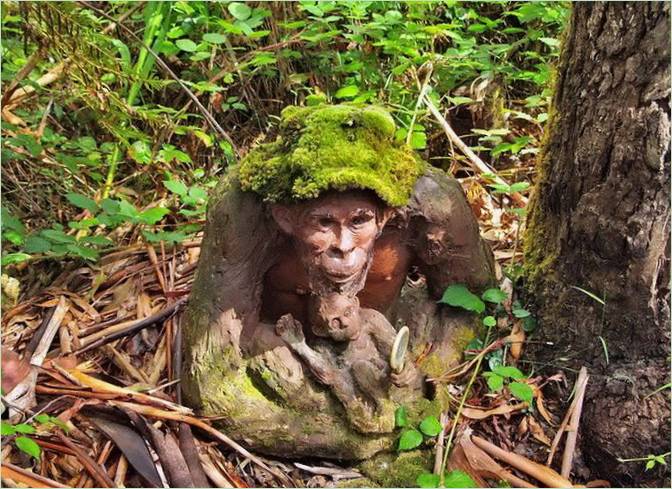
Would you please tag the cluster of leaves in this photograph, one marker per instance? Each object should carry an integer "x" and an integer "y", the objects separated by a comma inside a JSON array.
[
  {"x": 411, "y": 438},
  {"x": 121, "y": 121},
  {"x": 500, "y": 375},
  {"x": 25, "y": 443}
]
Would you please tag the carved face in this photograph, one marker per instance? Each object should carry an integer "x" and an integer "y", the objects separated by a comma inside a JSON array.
[
  {"x": 335, "y": 316},
  {"x": 334, "y": 236}
]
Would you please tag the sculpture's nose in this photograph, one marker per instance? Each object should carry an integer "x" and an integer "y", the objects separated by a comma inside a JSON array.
[{"x": 343, "y": 244}]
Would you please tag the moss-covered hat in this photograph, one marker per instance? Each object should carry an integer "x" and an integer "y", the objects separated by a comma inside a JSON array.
[{"x": 335, "y": 147}]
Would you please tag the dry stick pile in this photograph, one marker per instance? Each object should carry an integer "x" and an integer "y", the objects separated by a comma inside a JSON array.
[{"x": 103, "y": 348}]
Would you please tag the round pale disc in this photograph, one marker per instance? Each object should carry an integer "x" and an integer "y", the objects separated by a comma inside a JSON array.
[{"x": 399, "y": 349}]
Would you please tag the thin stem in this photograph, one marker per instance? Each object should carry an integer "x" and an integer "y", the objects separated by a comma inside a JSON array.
[
  {"x": 643, "y": 459},
  {"x": 449, "y": 442}
]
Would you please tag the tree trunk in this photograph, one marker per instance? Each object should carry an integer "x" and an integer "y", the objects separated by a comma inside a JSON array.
[{"x": 599, "y": 221}]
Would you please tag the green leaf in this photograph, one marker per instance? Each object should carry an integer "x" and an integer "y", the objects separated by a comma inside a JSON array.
[
  {"x": 430, "y": 426},
  {"x": 127, "y": 209},
  {"x": 495, "y": 382},
  {"x": 57, "y": 236},
  {"x": 86, "y": 253},
  {"x": 141, "y": 152},
  {"x": 153, "y": 215},
  {"x": 28, "y": 446},
  {"x": 214, "y": 38},
  {"x": 522, "y": 391},
  {"x": 43, "y": 418},
  {"x": 14, "y": 258},
  {"x": 6, "y": 429},
  {"x": 186, "y": 45},
  {"x": 198, "y": 193},
  {"x": 418, "y": 140},
  {"x": 549, "y": 41},
  {"x": 110, "y": 206},
  {"x": 24, "y": 428},
  {"x": 11, "y": 222},
  {"x": 427, "y": 479},
  {"x": 650, "y": 464},
  {"x": 519, "y": 186},
  {"x": 459, "y": 296},
  {"x": 457, "y": 478},
  {"x": 521, "y": 313},
  {"x": 529, "y": 324},
  {"x": 400, "y": 417},
  {"x": 97, "y": 240},
  {"x": 494, "y": 295},
  {"x": 489, "y": 321},
  {"x": 239, "y": 10},
  {"x": 83, "y": 202},
  {"x": 410, "y": 439},
  {"x": 347, "y": 91},
  {"x": 176, "y": 187},
  {"x": 508, "y": 371}
]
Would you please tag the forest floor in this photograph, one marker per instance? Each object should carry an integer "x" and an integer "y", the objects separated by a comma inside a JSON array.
[{"x": 105, "y": 339}]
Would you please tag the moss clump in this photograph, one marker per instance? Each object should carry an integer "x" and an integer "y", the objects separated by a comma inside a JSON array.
[
  {"x": 332, "y": 147},
  {"x": 390, "y": 470}
]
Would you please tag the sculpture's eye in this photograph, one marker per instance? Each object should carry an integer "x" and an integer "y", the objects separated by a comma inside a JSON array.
[
  {"x": 324, "y": 222},
  {"x": 360, "y": 219}
]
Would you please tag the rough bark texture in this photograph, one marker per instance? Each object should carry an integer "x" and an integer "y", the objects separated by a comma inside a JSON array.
[
  {"x": 270, "y": 401},
  {"x": 600, "y": 220}
]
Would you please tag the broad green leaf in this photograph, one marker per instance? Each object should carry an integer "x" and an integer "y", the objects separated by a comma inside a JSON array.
[
  {"x": 459, "y": 296},
  {"x": 24, "y": 428},
  {"x": 86, "y": 253},
  {"x": 400, "y": 417},
  {"x": 127, "y": 209},
  {"x": 141, "y": 152},
  {"x": 186, "y": 45},
  {"x": 522, "y": 391},
  {"x": 489, "y": 321},
  {"x": 11, "y": 222},
  {"x": 549, "y": 41},
  {"x": 153, "y": 215},
  {"x": 418, "y": 140},
  {"x": 495, "y": 382},
  {"x": 110, "y": 206},
  {"x": 347, "y": 91},
  {"x": 83, "y": 202},
  {"x": 410, "y": 439},
  {"x": 6, "y": 429},
  {"x": 650, "y": 464},
  {"x": 521, "y": 313},
  {"x": 508, "y": 371},
  {"x": 519, "y": 186},
  {"x": 529, "y": 324},
  {"x": 430, "y": 426},
  {"x": 97, "y": 240},
  {"x": 14, "y": 258},
  {"x": 43, "y": 418},
  {"x": 239, "y": 10},
  {"x": 28, "y": 446},
  {"x": 57, "y": 236},
  {"x": 214, "y": 38},
  {"x": 457, "y": 478},
  {"x": 494, "y": 295},
  {"x": 198, "y": 193},
  {"x": 176, "y": 187},
  {"x": 427, "y": 479}
]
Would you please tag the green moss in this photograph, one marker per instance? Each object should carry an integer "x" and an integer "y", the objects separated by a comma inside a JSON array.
[
  {"x": 391, "y": 470},
  {"x": 335, "y": 147}
]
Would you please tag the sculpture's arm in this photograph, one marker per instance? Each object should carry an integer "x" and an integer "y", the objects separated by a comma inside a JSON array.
[{"x": 446, "y": 237}]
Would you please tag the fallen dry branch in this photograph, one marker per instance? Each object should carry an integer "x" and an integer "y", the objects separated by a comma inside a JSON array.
[
  {"x": 543, "y": 474},
  {"x": 573, "y": 428},
  {"x": 23, "y": 476}
]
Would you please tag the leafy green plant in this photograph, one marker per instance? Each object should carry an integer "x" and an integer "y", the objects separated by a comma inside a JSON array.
[
  {"x": 412, "y": 438},
  {"x": 19, "y": 430},
  {"x": 651, "y": 460},
  {"x": 454, "y": 478}
]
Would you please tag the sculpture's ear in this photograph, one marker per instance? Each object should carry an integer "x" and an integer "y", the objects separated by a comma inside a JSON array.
[
  {"x": 384, "y": 215},
  {"x": 284, "y": 217}
]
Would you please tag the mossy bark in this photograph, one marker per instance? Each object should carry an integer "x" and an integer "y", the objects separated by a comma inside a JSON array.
[{"x": 599, "y": 220}]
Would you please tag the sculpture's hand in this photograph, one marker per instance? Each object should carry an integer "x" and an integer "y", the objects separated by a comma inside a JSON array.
[
  {"x": 410, "y": 375},
  {"x": 289, "y": 329}
]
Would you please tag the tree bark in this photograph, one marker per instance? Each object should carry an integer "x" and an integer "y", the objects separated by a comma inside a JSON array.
[{"x": 600, "y": 221}]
